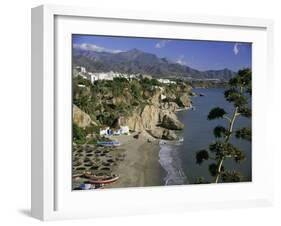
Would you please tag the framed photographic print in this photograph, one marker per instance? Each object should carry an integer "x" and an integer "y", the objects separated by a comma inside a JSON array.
[{"x": 134, "y": 112}]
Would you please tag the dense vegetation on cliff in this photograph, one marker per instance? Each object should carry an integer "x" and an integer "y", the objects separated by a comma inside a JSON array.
[{"x": 141, "y": 104}]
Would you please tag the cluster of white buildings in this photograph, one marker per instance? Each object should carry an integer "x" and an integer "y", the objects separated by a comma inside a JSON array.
[
  {"x": 95, "y": 76},
  {"x": 166, "y": 81},
  {"x": 110, "y": 76}
]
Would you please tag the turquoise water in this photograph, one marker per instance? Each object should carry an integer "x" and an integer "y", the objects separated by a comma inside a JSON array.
[{"x": 179, "y": 159}]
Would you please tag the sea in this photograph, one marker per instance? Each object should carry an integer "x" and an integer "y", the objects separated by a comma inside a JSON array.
[{"x": 178, "y": 159}]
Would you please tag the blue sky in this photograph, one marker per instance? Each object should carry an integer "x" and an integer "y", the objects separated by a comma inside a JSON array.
[{"x": 201, "y": 55}]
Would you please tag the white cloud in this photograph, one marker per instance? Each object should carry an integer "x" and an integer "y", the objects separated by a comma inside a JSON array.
[
  {"x": 181, "y": 60},
  {"x": 236, "y": 48},
  {"x": 162, "y": 44},
  {"x": 92, "y": 47}
]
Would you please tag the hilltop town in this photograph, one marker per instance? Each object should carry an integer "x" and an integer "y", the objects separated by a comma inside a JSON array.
[{"x": 95, "y": 76}]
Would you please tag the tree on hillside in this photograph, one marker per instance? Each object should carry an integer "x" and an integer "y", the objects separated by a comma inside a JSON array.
[{"x": 238, "y": 94}]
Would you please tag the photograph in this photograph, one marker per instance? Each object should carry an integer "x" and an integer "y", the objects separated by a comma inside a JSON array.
[{"x": 152, "y": 111}]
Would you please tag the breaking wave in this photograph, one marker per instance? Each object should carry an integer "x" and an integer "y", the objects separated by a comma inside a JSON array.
[{"x": 170, "y": 161}]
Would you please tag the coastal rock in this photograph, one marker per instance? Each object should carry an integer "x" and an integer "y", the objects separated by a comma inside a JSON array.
[
  {"x": 150, "y": 116},
  {"x": 170, "y": 97},
  {"x": 184, "y": 100},
  {"x": 161, "y": 133},
  {"x": 169, "y": 135},
  {"x": 134, "y": 122},
  {"x": 80, "y": 118},
  {"x": 193, "y": 94},
  {"x": 119, "y": 100},
  {"x": 147, "y": 119},
  {"x": 183, "y": 88},
  {"x": 186, "y": 88},
  {"x": 170, "y": 106},
  {"x": 156, "y": 132},
  {"x": 146, "y": 94},
  {"x": 156, "y": 96},
  {"x": 170, "y": 121}
]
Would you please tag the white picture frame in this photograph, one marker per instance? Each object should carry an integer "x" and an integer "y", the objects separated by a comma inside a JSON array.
[{"x": 52, "y": 197}]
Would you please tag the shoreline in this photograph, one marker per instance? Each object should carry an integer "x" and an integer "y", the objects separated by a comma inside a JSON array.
[
  {"x": 138, "y": 161},
  {"x": 141, "y": 166}
]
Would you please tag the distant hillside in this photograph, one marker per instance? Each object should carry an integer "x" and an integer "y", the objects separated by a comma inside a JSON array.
[{"x": 135, "y": 61}]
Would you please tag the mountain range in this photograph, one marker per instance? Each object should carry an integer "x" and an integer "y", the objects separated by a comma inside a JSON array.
[{"x": 136, "y": 61}]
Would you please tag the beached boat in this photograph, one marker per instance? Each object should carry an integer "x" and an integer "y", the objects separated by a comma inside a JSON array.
[
  {"x": 89, "y": 186},
  {"x": 84, "y": 186},
  {"x": 102, "y": 179},
  {"x": 108, "y": 143}
]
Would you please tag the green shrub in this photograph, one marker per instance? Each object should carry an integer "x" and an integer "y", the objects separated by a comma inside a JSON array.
[{"x": 79, "y": 134}]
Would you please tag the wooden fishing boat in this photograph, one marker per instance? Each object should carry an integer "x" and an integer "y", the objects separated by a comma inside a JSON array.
[
  {"x": 91, "y": 176},
  {"x": 108, "y": 143},
  {"x": 102, "y": 179}
]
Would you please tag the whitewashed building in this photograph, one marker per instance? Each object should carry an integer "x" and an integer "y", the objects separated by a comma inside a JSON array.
[
  {"x": 123, "y": 130},
  {"x": 104, "y": 131},
  {"x": 165, "y": 81},
  {"x": 132, "y": 76},
  {"x": 81, "y": 69},
  {"x": 93, "y": 77}
]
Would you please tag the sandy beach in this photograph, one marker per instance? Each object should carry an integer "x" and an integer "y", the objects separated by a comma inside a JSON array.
[
  {"x": 141, "y": 165},
  {"x": 135, "y": 161}
]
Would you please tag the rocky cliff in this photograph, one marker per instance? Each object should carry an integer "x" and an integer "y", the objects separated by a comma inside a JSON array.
[
  {"x": 142, "y": 105},
  {"x": 157, "y": 118},
  {"x": 80, "y": 118}
]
